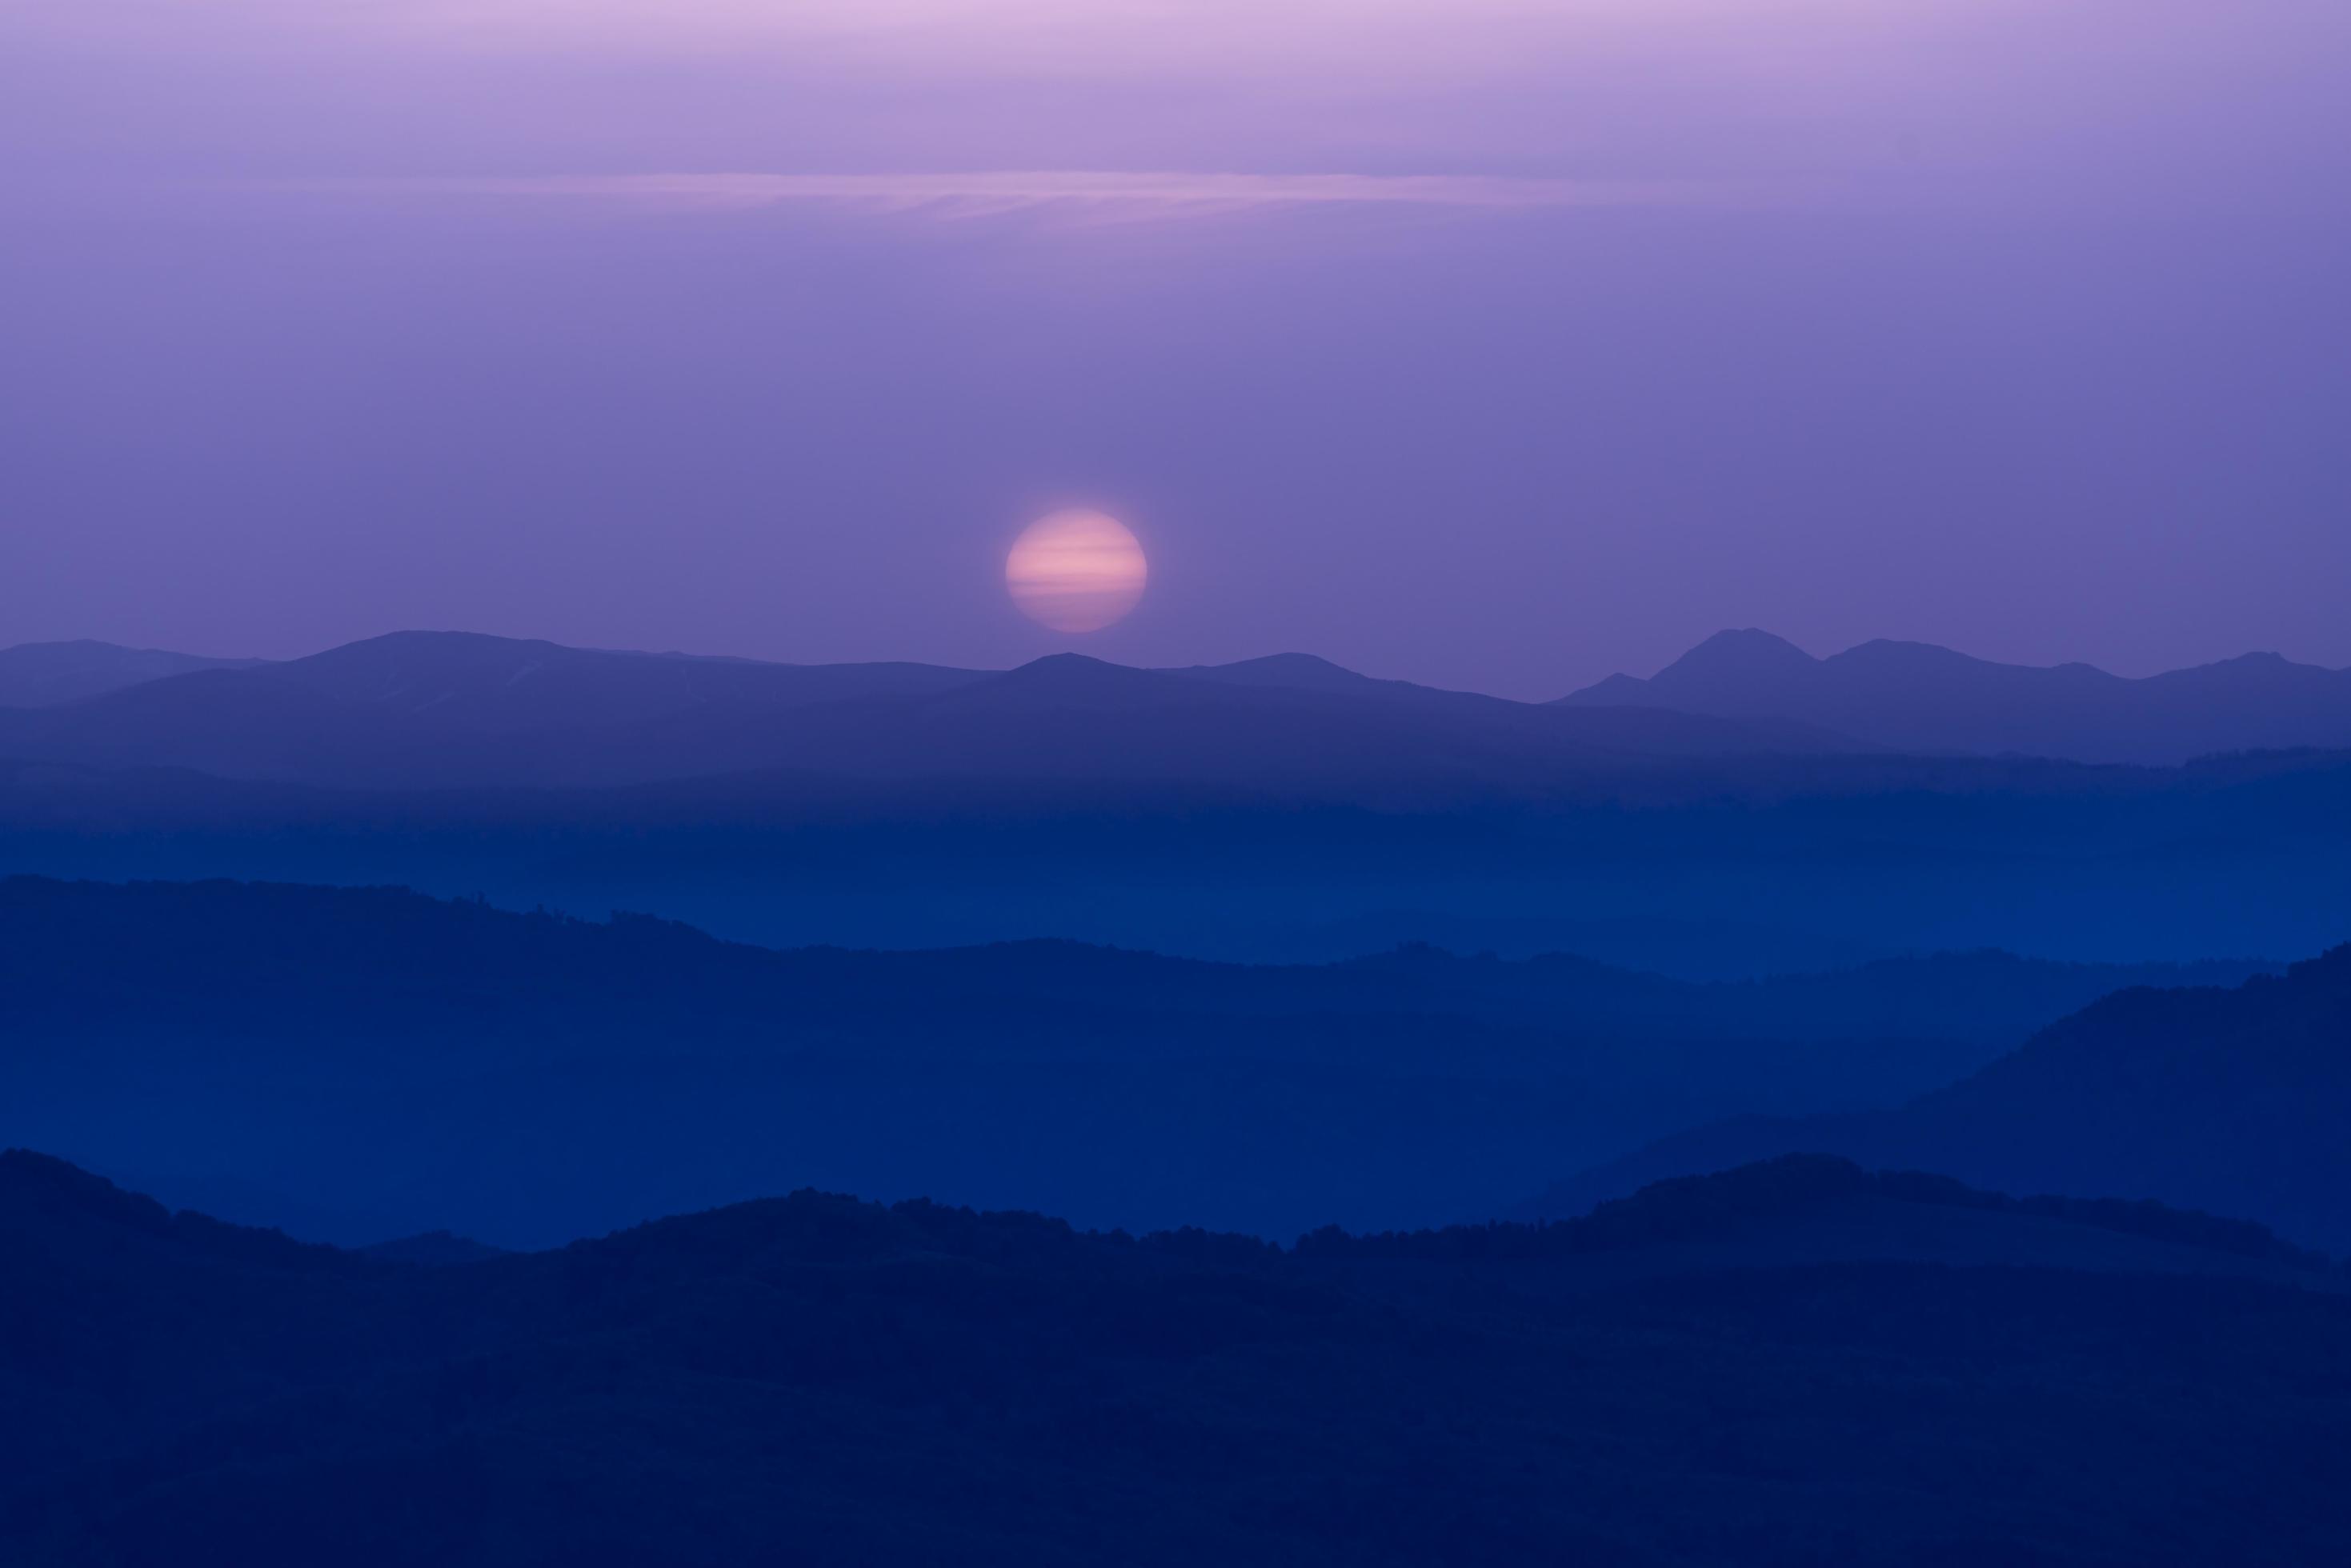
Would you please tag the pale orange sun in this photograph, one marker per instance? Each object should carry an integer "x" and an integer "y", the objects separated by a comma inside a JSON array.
[{"x": 1076, "y": 571}]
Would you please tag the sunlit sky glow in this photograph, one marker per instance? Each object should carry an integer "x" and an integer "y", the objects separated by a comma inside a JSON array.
[{"x": 1502, "y": 343}]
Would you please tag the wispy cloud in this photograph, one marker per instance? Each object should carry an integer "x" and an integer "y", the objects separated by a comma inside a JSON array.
[{"x": 1142, "y": 194}]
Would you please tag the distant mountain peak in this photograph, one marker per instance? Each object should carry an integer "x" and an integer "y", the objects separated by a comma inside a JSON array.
[
  {"x": 412, "y": 636},
  {"x": 1891, "y": 648},
  {"x": 1746, "y": 646},
  {"x": 1071, "y": 676},
  {"x": 1296, "y": 663},
  {"x": 1296, "y": 672},
  {"x": 1067, "y": 666}
]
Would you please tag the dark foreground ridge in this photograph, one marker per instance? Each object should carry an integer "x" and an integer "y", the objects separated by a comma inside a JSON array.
[{"x": 1793, "y": 1362}]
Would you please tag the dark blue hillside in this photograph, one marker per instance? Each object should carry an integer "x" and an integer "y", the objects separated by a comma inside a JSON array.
[
  {"x": 813, "y": 1378},
  {"x": 356, "y": 1065},
  {"x": 2234, "y": 1100}
]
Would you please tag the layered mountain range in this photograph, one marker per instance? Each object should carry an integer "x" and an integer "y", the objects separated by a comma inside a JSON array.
[
  {"x": 354, "y": 1063},
  {"x": 441, "y": 709},
  {"x": 446, "y": 709}
]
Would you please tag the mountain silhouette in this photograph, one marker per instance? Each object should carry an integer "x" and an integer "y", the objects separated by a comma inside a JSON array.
[
  {"x": 1797, "y": 1362},
  {"x": 43, "y": 674},
  {"x": 501, "y": 685},
  {"x": 445, "y": 708},
  {"x": 1307, "y": 671},
  {"x": 2232, "y": 1100},
  {"x": 448, "y": 708},
  {"x": 1916, "y": 696}
]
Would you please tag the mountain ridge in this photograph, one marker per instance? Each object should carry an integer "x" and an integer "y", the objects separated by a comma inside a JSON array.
[
  {"x": 1921, "y": 697},
  {"x": 416, "y": 710},
  {"x": 468, "y": 699}
]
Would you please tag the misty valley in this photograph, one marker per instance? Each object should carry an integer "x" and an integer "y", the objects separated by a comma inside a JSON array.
[
  {"x": 1535, "y": 1130},
  {"x": 1102, "y": 783}
]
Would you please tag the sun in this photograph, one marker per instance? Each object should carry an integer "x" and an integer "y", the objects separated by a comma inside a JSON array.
[{"x": 1076, "y": 571}]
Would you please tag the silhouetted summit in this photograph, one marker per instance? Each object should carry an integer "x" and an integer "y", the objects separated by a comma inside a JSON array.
[
  {"x": 1303, "y": 670},
  {"x": 1083, "y": 681},
  {"x": 1310, "y": 672},
  {"x": 1749, "y": 654},
  {"x": 1916, "y": 697}
]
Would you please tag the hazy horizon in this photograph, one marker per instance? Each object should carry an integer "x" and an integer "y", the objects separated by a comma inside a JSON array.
[
  {"x": 1502, "y": 355},
  {"x": 1075, "y": 645}
]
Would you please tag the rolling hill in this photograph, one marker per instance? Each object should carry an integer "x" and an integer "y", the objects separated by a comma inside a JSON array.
[
  {"x": 1795, "y": 1363},
  {"x": 389, "y": 1064},
  {"x": 2232, "y": 1100}
]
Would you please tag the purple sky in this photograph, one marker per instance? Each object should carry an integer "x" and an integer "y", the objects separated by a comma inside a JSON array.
[{"x": 1495, "y": 343}]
